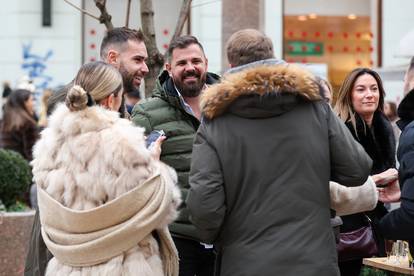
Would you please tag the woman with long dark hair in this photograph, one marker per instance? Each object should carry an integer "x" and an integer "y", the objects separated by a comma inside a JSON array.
[
  {"x": 360, "y": 104},
  {"x": 18, "y": 130}
]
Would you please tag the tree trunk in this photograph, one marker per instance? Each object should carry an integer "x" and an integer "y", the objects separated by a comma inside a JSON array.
[
  {"x": 182, "y": 18},
  {"x": 155, "y": 58}
]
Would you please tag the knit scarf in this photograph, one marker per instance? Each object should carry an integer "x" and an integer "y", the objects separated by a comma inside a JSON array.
[{"x": 90, "y": 237}]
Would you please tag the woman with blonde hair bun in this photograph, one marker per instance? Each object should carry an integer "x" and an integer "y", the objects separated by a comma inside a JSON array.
[{"x": 105, "y": 200}]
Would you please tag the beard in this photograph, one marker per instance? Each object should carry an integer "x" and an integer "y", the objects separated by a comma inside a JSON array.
[
  {"x": 127, "y": 79},
  {"x": 192, "y": 89}
]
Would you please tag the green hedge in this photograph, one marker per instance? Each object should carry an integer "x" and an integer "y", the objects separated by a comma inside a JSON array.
[{"x": 15, "y": 178}]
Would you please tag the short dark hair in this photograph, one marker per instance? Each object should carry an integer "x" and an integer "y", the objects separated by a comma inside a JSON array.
[
  {"x": 248, "y": 45},
  {"x": 119, "y": 36},
  {"x": 182, "y": 42}
]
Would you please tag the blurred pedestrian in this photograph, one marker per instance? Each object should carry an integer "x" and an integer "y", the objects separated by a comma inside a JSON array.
[
  {"x": 262, "y": 160},
  {"x": 390, "y": 110},
  {"x": 104, "y": 201},
  {"x": 18, "y": 129},
  {"x": 360, "y": 104}
]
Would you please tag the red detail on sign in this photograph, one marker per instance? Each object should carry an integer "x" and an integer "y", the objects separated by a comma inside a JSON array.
[
  {"x": 165, "y": 32},
  {"x": 371, "y": 49},
  {"x": 317, "y": 48},
  {"x": 317, "y": 34},
  {"x": 304, "y": 48},
  {"x": 92, "y": 46},
  {"x": 358, "y": 35},
  {"x": 304, "y": 34},
  {"x": 359, "y": 62},
  {"x": 371, "y": 34},
  {"x": 345, "y": 35},
  {"x": 330, "y": 34},
  {"x": 291, "y": 34},
  {"x": 92, "y": 59},
  {"x": 345, "y": 49},
  {"x": 290, "y": 60},
  {"x": 92, "y": 32},
  {"x": 330, "y": 48},
  {"x": 290, "y": 47},
  {"x": 304, "y": 60},
  {"x": 165, "y": 46},
  {"x": 358, "y": 49},
  {"x": 371, "y": 62}
]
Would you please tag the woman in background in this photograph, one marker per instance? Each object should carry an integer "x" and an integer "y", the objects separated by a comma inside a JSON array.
[
  {"x": 18, "y": 130},
  {"x": 360, "y": 105}
]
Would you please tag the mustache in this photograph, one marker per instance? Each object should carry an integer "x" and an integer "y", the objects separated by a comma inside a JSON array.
[{"x": 191, "y": 74}]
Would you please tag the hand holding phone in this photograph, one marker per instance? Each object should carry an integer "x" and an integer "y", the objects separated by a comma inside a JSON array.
[{"x": 153, "y": 136}]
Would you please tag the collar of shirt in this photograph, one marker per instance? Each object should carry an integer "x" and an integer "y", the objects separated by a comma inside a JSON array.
[{"x": 186, "y": 106}]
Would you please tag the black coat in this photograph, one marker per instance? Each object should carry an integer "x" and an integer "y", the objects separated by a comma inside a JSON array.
[
  {"x": 379, "y": 142},
  {"x": 399, "y": 224}
]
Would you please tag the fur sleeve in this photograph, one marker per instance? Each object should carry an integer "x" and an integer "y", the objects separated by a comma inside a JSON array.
[{"x": 351, "y": 200}]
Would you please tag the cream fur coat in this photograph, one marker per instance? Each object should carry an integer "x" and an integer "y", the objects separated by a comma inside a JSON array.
[{"x": 87, "y": 158}]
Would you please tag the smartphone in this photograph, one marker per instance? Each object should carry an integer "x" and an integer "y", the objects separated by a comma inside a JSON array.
[{"x": 153, "y": 136}]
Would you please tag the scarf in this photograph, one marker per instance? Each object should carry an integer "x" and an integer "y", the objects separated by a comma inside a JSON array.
[
  {"x": 90, "y": 237},
  {"x": 378, "y": 141}
]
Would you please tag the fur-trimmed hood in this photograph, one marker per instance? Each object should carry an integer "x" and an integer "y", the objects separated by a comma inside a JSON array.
[{"x": 257, "y": 91}]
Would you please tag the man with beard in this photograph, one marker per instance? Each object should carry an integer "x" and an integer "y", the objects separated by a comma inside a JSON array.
[
  {"x": 174, "y": 108},
  {"x": 124, "y": 49}
]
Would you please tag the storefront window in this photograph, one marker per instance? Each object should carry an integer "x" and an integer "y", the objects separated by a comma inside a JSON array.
[{"x": 334, "y": 35}]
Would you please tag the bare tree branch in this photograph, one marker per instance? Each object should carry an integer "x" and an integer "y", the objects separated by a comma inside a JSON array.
[
  {"x": 127, "y": 13},
  {"x": 155, "y": 58},
  {"x": 82, "y": 10},
  {"x": 182, "y": 18},
  {"x": 105, "y": 17}
]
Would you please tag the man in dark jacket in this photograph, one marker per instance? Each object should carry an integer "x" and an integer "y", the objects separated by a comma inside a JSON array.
[
  {"x": 174, "y": 108},
  {"x": 261, "y": 164},
  {"x": 399, "y": 224},
  {"x": 124, "y": 49}
]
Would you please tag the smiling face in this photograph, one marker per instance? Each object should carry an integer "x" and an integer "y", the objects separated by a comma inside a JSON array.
[
  {"x": 365, "y": 95},
  {"x": 132, "y": 64},
  {"x": 188, "y": 68}
]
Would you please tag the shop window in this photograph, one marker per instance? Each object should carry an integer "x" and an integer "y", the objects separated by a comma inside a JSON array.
[{"x": 336, "y": 35}]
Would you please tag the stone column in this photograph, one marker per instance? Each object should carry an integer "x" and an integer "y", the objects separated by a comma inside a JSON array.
[{"x": 237, "y": 15}]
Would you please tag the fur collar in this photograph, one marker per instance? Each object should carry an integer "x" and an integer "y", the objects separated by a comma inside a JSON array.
[{"x": 261, "y": 80}]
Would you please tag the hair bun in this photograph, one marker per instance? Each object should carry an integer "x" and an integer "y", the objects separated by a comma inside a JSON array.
[{"x": 77, "y": 98}]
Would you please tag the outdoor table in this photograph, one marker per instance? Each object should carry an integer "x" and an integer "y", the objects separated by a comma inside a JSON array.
[{"x": 381, "y": 263}]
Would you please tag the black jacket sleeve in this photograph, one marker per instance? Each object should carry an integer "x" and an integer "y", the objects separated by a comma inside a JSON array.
[
  {"x": 206, "y": 198},
  {"x": 399, "y": 224}
]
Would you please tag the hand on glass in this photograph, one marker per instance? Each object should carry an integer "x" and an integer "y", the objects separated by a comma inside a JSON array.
[
  {"x": 155, "y": 147},
  {"x": 390, "y": 193}
]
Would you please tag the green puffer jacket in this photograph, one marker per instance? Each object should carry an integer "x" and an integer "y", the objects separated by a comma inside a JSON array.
[{"x": 164, "y": 111}]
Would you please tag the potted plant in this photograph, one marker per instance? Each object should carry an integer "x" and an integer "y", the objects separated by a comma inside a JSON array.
[{"x": 16, "y": 218}]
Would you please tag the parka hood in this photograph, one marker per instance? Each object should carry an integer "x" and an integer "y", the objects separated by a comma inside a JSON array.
[{"x": 260, "y": 91}]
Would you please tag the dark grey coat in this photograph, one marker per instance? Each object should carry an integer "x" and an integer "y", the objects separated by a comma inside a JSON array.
[{"x": 261, "y": 164}]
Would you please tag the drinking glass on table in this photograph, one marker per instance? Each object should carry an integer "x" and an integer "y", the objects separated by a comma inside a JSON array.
[{"x": 388, "y": 248}]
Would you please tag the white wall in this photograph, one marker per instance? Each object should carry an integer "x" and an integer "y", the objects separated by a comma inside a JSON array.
[
  {"x": 21, "y": 22},
  {"x": 206, "y": 26},
  {"x": 327, "y": 7},
  {"x": 273, "y": 24}
]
